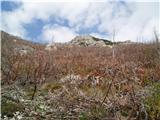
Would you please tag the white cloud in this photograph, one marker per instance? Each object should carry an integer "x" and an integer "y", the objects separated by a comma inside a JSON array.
[
  {"x": 14, "y": 21},
  {"x": 130, "y": 19},
  {"x": 11, "y": 24},
  {"x": 141, "y": 22},
  {"x": 98, "y": 35},
  {"x": 56, "y": 33}
]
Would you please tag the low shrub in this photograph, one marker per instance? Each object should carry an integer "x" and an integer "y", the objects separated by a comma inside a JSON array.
[{"x": 152, "y": 103}]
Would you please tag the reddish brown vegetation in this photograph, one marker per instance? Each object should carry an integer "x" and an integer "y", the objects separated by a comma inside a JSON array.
[
  {"x": 131, "y": 60},
  {"x": 133, "y": 66}
]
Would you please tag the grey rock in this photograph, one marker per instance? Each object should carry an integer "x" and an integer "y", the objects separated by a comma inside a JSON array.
[{"x": 88, "y": 40}]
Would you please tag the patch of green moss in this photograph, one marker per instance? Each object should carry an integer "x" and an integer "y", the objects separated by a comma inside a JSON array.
[
  {"x": 9, "y": 107},
  {"x": 96, "y": 112},
  {"x": 83, "y": 116},
  {"x": 51, "y": 86}
]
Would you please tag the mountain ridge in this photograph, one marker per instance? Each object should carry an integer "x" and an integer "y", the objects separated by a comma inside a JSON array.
[{"x": 19, "y": 44}]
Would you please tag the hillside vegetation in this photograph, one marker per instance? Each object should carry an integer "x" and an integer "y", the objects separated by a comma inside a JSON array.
[{"x": 75, "y": 82}]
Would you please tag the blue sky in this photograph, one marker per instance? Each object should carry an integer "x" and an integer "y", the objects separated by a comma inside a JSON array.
[
  {"x": 9, "y": 5},
  {"x": 48, "y": 20}
]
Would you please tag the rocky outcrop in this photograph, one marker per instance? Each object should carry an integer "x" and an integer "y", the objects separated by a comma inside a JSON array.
[
  {"x": 23, "y": 49},
  {"x": 88, "y": 40}
]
